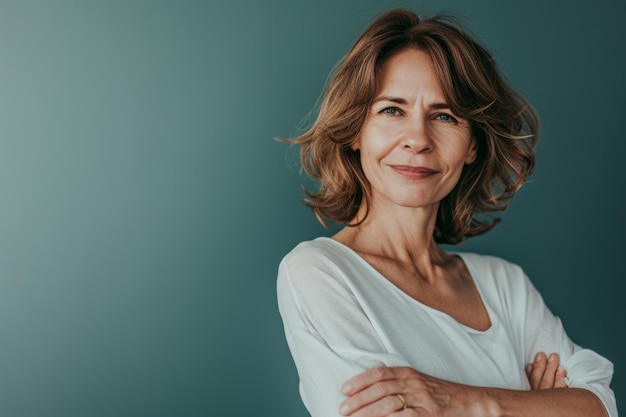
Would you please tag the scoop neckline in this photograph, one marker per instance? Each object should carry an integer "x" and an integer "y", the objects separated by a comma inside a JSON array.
[{"x": 465, "y": 258}]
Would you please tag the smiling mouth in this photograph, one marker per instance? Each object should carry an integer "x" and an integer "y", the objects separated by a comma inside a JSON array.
[{"x": 414, "y": 172}]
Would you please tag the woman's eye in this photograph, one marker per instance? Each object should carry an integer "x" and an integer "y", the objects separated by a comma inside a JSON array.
[
  {"x": 391, "y": 111},
  {"x": 444, "y": 117}
]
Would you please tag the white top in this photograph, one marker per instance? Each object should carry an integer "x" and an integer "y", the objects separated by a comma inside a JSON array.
[{"x": 341, "y": 317}]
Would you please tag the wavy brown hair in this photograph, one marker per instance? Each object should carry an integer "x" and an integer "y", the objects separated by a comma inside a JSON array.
[{"x": 502, "y": 122}]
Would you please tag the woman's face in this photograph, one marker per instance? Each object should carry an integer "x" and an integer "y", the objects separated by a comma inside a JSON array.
[{"x": 412, "y": 147}]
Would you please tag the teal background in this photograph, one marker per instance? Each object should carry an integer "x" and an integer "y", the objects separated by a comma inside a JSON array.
[{"x": 144, "y": 205}]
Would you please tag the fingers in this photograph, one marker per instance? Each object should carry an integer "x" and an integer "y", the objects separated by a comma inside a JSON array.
[
  {"x": 550, "y": 372},
  {"x": 380, "y": 398},
  {"x": 546, "y": 372},
  {"x": 384, "y": 406},
  {"x": 537, "y": 369},
  {"x": 376, "y": 392},
  {"x": 559, "y": 380},
  {"x": 369, "y": 377}
]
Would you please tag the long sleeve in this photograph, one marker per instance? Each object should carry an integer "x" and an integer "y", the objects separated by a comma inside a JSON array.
[
  {"x": 341, "y": 317},
  {"x": 329, "y": 335},
  {"x": 585, "y": 368}
]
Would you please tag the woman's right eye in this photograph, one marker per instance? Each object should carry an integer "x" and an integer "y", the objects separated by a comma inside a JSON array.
[{"x": 391, "y": 111}]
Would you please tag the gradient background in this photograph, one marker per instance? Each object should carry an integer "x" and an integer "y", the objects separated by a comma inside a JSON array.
[{"x": 145, "y": 205}]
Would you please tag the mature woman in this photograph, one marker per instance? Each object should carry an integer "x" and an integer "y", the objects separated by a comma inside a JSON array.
[{"x": 417, "y": 141}]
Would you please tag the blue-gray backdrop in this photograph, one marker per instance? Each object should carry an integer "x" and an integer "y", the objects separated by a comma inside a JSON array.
[{"x": 144, "y": 205}]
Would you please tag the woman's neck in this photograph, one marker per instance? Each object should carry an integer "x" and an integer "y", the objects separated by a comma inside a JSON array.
[{"x": 399, "y": 234}]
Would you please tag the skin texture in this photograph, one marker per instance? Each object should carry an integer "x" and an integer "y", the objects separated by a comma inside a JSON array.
[{"x": 412, "y": 150}]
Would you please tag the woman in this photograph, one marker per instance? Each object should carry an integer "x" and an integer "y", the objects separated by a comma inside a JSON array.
[{"x": 418, "y": 139}]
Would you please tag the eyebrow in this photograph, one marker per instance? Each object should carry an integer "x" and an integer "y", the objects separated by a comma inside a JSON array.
[
  {"x": 392, "y": 99},
  {"x": 400, "y": 100}
]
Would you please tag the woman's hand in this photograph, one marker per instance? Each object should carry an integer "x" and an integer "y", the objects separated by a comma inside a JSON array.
[
  {"x": 546, "y": 372},
  {"x": 404, "y": 391}
]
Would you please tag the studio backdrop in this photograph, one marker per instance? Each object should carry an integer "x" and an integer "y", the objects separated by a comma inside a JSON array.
[{"x": 145, "y": 205}]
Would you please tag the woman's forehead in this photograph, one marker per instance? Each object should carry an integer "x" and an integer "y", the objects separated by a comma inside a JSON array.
[{"x": 407, "y": 73}]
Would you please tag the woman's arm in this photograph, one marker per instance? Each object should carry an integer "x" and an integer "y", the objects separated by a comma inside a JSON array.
[
  {"x": 332, "y": 339},
  {"x": 587, "y": 371},
  {"x": 385, "y": 391}
]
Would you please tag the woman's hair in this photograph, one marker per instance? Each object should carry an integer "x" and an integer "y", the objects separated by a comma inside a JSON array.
[{"x": 503, "y": 125}]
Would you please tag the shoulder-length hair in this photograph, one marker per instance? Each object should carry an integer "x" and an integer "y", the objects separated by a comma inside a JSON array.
[{"x": 503, "y": 125}]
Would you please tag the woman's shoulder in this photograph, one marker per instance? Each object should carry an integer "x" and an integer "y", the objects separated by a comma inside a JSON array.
[
  {"x": 319, "y": 262},
  {"x": 317, "y": 252},
  {"x": 318, "y": 272}
]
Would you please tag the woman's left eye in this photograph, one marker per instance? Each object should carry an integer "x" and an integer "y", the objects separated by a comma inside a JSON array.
[{"x": 444, "y": 117}]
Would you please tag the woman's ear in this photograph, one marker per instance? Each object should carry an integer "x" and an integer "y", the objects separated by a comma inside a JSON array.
[
  {"x": 472, "y": 152},
  {"x": 356, "y": 145}
]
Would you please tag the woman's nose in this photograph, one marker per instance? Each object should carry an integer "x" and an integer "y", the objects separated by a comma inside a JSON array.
[{"x": 417, "y": 138}]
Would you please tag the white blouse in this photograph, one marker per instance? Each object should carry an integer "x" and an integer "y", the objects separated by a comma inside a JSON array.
[{"x": 342, "y": 317}]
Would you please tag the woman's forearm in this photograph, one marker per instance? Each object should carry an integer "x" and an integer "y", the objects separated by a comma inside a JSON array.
[
  {"x": 557, "y": 402},
  {"x": 381, "y": 391}
]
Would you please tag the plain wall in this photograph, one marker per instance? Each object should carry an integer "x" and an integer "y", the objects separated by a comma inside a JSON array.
[{"x": 144, "y": 204}]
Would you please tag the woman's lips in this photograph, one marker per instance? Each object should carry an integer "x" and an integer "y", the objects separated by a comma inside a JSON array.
[{"x": 414, "y": 172}]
